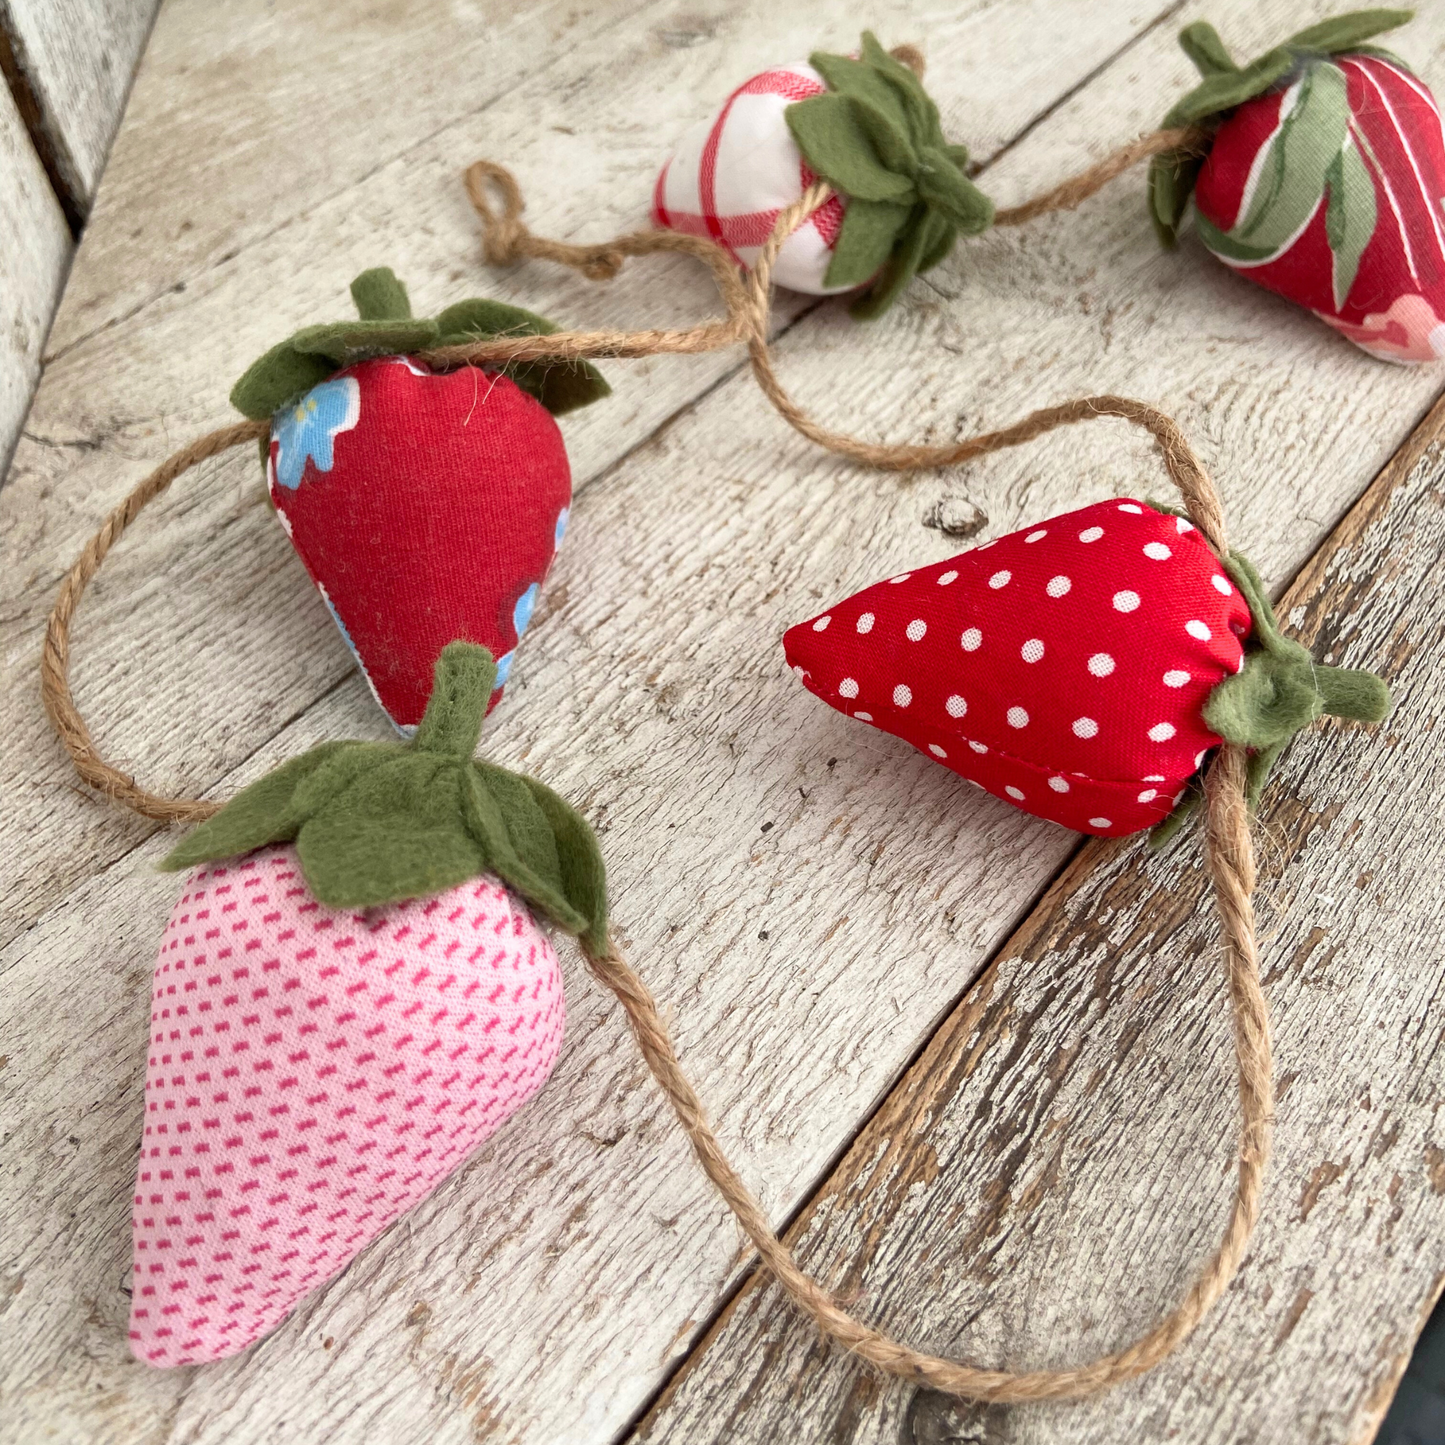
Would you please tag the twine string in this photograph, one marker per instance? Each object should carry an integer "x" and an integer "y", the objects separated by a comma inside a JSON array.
[{"x": 1229, "y": 851}]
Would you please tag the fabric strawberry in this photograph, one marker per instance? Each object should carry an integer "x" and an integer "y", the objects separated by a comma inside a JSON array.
[
  {"x": 1080, "y": 669},
  {"x": 343, "y": 1012},
  {"x": 426, "y": 505},
  {"x": 1324, "y": 180},
  {"x": 867, "y": 127}
]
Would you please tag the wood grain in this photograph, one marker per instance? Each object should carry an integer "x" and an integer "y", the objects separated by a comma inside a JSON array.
[
  {"x": 543, "y": 1293},
  {"x": 34, "y": 252},
  {"x": 1040, "y": 1185},
  {"x": 76, "y": 58}
]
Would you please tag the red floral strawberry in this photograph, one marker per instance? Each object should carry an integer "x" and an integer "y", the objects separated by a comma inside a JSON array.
[
  {"x": 1324, "y": 180},
  {"x": 426, "y": 505},
  {"x": 1080, "y": 669},
  {"x": 340, "y": 1018}
]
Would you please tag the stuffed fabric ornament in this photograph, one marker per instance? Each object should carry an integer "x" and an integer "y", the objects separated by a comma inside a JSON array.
[
  {"x": 1080, "y": 669},
  {"x": 867, "y": 127},
  {"x": 426, "y": 504},
  {"x": 344, "y": 1009},
  {"x": 1324, "y": 180}
]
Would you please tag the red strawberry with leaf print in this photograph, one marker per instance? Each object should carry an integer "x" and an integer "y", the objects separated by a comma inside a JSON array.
[
  {"x": 426, "y": 504},
  {"x": 1080, "y": 669},
  {"x": 1324, "y": 180},
  {"x": 353, "y": 993}
]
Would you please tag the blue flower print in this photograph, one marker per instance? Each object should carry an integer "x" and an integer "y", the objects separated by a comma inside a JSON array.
[
  {"x": 561, "y": 532},
  {"x": 504, "y": 670},
  {"x": 308, "y": 429},
  {"x": 522, "y": 612},
  {"x": 404, "y": 729}
]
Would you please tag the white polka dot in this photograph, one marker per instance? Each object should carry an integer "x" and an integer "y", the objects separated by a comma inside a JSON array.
[
  {"x": 956, "y": 706},
  {"x": 1000, "y": 579},
  {"x": 1100, "y": 823},
  {"x": 1032, "y": 650},
  {"x": 1085, "y": 727},
  {"x": 1199, "y": 757},
  {"x": 1158, "y": 551},
  {"x": 984, "y": 546},
  {"x": 863, "y": 716},
  {"x": 1148, "y": 795},
  {"x": 1101, "y": 664},
  {"x": 865, "y": 622},
  {"x": 848, "y": 687},
  {"x": 902, "y": 695},
  {"x": 1058, "y": 586},
  {"x": 1175, "y": 678},
  {"x": 1091, "y": 534},
  {"x": 1162, "y": 732},
  {"x": 1153, "y": 777},
  {"x": 1059, "y": 785},
  {"x": 1130, "y": 507},
  {"x": 916, "y": 629},
  {"x": 1017, "y": 717},
  {"x": 1035, "y": 536},
  {"x": 977, "y": 747},
  {"x": 947, "y": 578},
  {"x": 1179, "y": 795},
  {"x": 1183, "y": 525},
  {"x": 1125, "y": 601},
  {"x": 821, "y": 623},
  {"x": 1221, "y": 585},
  {"x": 972, "y": 640},
  {"x": 1198, "y": 629},
  {"x": 1014, "y": 793},
  {"x": 901, "y": 577},
  {"x": 936, "y": 750},
  {"x": 800, "y": 671}
]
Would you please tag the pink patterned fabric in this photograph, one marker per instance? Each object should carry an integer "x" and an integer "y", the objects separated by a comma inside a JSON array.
[{"x": 313, "y": 1074}]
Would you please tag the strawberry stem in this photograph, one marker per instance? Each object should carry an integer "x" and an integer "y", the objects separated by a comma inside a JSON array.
[{"x": 452, "y": 723}]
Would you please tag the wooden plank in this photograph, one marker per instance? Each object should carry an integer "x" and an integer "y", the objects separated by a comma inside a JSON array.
[
  {"x": 75, "y": 60},
  {"x": 541, "y": 1294},
  {"x": 34, "y": 252},
  {"x": 1043, "y": 1182}
]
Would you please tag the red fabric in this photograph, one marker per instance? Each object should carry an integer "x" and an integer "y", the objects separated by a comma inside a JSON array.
[
  {"x": 442, "y": 505},
  {"x": 1063, "y": 668},
  {"x": 1397, "y": 298}
]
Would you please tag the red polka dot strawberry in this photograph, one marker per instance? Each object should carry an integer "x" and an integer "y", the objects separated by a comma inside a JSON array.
[
  {"x": 344, "y": 1009},
  {"x": 866, "y": 126},
  {"x": 1324, "y": 180},
  {"x": 1080, "y": 669},
  {"x": 426, "y": 504}
]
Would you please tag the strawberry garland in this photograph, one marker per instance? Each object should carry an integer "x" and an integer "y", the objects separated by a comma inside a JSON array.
[
  {"x": 425, "y": 504},
  {"x": 1323, "y": 181},
  {"x": 1082, "y": 669}
]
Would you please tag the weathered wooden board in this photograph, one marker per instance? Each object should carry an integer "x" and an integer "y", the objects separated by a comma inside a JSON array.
[
  {"x": 541, "y": 1293},
  {"x": 75, "y": 59},
  {"x": 1043, "y": 1183},
  {"x": 34, "y": 251}
]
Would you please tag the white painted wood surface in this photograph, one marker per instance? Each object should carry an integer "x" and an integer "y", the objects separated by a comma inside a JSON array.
[
  {"x": 542, "y": 1293},
  {"x": 77, "y": 58},
  {"x": 34, "y": 251}
]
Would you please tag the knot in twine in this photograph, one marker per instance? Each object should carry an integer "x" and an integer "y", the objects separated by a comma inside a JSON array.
[{"x": 1229, "y": 850}]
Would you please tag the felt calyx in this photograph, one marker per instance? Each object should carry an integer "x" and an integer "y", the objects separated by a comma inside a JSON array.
[
  {"x": 875, "y": 136},
  {"x": 379, "y": 823},
  {"x": 386, "y": 327}
]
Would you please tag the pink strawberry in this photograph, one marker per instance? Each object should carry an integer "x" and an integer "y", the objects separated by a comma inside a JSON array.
[
  {"x": 426, "y": 505},
  {"x": 346, "y": 1013},
  {"x": 1324, "y": 180},
  {"x": 1080, "y": 669}
]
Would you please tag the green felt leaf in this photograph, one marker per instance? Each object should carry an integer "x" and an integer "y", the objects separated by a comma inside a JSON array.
[
  {"x": 1265, "y": 704},
  {"x": 865, "y": 240},
  {"x": 266, "y": 812},
  {"x": 1349, "y": 218},
  {"x": 1171, "y": 183},
  {"x": 938, "y": 240},
  {"x": 1201, "y": 43},
  {"x": 379, "y": 296},
  {"x": 481, "y": 316},
  {"x": 888, "y": 138},
  {"x": 833, "y": 142},
  {"x": 946, "y": 190},
  {"x": 345, "y": 342},
  {"x": 855, "y": 80},
  {"x": 898, "y": 271},
  {"x": 1225, "y": 90},
  {"x": 924, "y": 123},
  {"x": 279, "y": 377},
  {"x": 582, "y": 878},
  {"x": 1346, "y": 33},
  {"x": 351, "y": 862}
]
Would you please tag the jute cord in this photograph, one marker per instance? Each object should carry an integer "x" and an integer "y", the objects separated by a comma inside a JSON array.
[{"x": 1229, "y": 850}]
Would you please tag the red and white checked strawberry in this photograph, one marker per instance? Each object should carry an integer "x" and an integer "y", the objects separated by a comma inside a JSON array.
[
  {"x": 1080, "y": 669},
  {"x": 343, "y": 1012},
  {"x": 426, "y": 505},
  {"x": 1324, "y": 180},
  {"x": 866, "y": 126}
]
